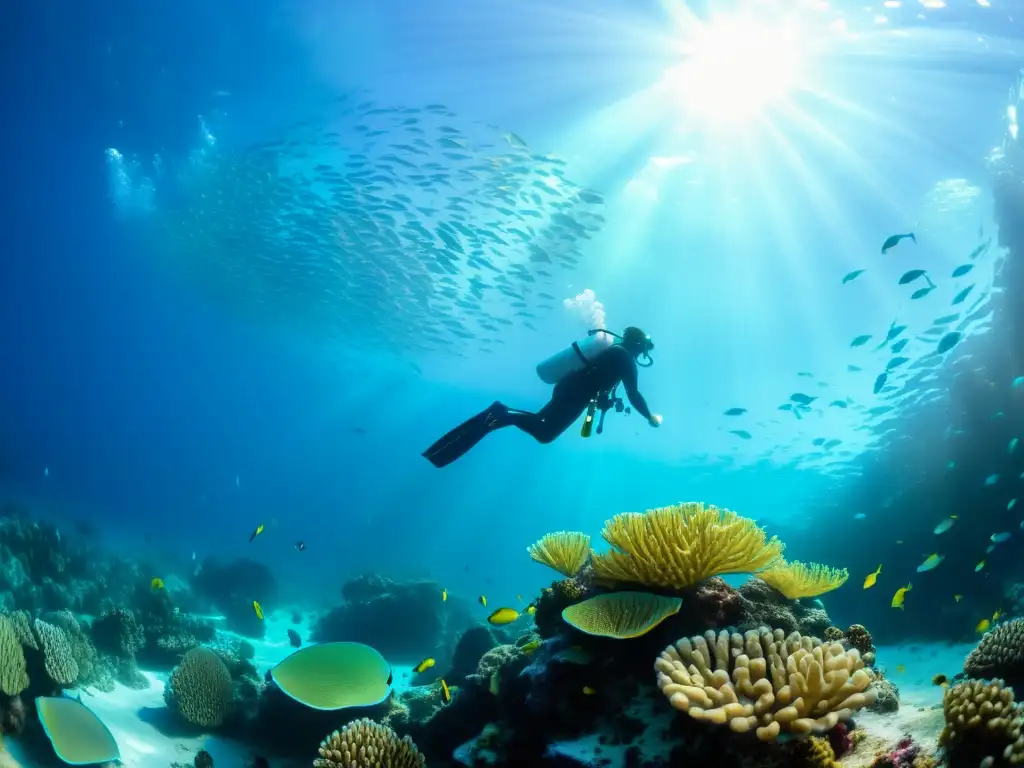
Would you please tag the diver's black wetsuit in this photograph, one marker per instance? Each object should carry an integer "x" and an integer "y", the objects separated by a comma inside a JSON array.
[{"x": 570, "y": 398}]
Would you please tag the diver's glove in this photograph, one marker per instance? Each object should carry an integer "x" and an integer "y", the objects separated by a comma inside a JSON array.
[{"x": 655, "y": 420}]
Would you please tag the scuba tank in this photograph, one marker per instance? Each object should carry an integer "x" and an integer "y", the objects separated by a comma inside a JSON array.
[
  {"x": 588, "y": 422},
  {"x": 575, "y": 357}
]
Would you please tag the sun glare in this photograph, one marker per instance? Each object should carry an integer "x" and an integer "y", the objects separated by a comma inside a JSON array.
[{"x": 734, "y": 67}]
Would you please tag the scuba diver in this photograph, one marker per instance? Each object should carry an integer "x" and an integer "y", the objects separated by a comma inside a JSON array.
[{"x": 585, "y": 376}]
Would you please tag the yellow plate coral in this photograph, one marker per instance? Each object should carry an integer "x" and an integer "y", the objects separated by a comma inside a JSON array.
[
  {"x": 621, "y": 615},
  {"x": 679, "y": 546}
]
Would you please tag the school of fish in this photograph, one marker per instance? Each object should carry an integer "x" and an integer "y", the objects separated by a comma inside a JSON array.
[{"x": 405, "y": 224}]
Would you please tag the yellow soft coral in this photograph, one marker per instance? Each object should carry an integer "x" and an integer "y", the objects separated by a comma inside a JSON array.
[
  {"x": 565, "y": 551},
  {"x": 764, "y": 681},
  {"x": 676, "y": 547},
  {"x": 795, "y": 579}
]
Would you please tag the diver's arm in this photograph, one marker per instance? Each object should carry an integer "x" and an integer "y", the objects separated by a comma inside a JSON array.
[{"x": 633, "y": 393}]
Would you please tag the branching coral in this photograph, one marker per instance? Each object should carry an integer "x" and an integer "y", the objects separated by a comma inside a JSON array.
[
  {"x": 366, "y": 744},
  {"x": 200, "y": 688},
  {"x": 795, "y": 579},
  {"x": 999, "y": 654},
  {"x": 676, "y": 547},
  {"x": 565, "y": 551},
  {"x": 764, "y": 681},
  {"x": 982, "y": 722}
]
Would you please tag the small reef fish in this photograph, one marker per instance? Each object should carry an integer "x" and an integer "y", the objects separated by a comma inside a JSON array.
[
  {"x": 898, "y": 598},
  {"x": 900, "y": 668},
  {"x": 940, "y": 679},
  {"x": 860, "y": 516},
  {"x": 1018, "y": 382},
  {"x": 259, "y": 610},
  {"x": 948, "y": 341},
  {"x": 979, "y": 566},
  {"x": 503, "y": 616},
  {"x": 945, "y": 525},
  {"x": 1013, "y": 445},
  {"x": 852, "y": 275},
  {"x": 958, "y": 598},
  {"x": 588, "y": 691},
  {"x": 735, "y": 411},
  {"x": 959, "y": 298},
  {"x": 424, "y": 665},
  {"x": 294, "y": 639},
  {"x": 446, "y": 695},
  {"x": 962, "y": 270},
  {"x": 892, "y": 240},
  {"x": 860, "y": 341},
  {"x": 992, "y": 479},
  {"x": 999, "y": 538},
  {"x": 255, "y": 533},
  {"x": 531, "y": 609},
  {"x": 495, "y": 685},
  {"x": 519, "y": 598},
  {"x": 871, "y": 578},
  {"x": 444, "y": 595},
  {"x": 740, "y": 433},
  {"x": 300, "y": 546},
  {"x": 996, "y": 616},
  {"x": 482, "y": 600},
  {"x": 880, "y": 382},
  {"x": 931, "y": 562},
  {"x": 156, "y": 584},
  {"x": 530, "y": 648},
  {"x": 982, "y": 626},
  {"x": 911, "y": 276},
  {"x": 1011, "y": 504}
]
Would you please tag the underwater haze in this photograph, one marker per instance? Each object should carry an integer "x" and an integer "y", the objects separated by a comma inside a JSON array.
[{"x": 260, "y": 256}]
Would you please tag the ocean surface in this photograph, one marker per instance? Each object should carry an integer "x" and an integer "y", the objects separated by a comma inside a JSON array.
[{"x": 257, "y": 258}]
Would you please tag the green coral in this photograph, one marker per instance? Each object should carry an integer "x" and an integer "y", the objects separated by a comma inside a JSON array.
[
  {"x": 60, "y": 662},
  {"x": 200, "y": 688},
  {"x": 13, "y": 676}
]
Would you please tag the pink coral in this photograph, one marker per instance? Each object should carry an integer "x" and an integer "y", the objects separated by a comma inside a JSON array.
[{"x": 903, "y": 756}]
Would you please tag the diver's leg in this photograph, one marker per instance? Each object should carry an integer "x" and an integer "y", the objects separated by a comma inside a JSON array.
[
  {"x": 550, "y": 421},
  {"x": 456, "y": 443}
]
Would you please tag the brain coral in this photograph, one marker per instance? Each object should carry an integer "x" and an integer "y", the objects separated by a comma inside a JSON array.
[
  {"x": 764, "y": 681},
  {"x": 1000, "y": 653},
  {"x": 365, "y": 744},
  {"x": 679, "y": 546},
  {"x": 200, "y": 688},
  {"x": 60, "y": 663}
]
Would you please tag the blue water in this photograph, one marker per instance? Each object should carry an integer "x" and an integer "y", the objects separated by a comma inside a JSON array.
[{"x": 174, "y": 423}]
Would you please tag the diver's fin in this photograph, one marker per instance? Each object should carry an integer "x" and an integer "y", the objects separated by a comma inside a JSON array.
[{"x": 460, "y": 440}]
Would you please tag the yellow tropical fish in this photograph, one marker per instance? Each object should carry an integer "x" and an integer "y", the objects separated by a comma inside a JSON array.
[
  {"x": 503, "y": 616},
  {"x": 446, "y": 695},
  {"x": 257, "y": 532},
  {"x": 259, "y": 611},
  {"x": 483, "y": 600},
  {"x": 530, "y": 648},
  {"x": 444, "y": 595},
  {"x": 156, "y": 584},
  {"x": 424, "y": 665},
  {"x": 900, "y": 668},
  {"x": 983, "y": 626},
  {"x": 588, "y": 691},
  {"x": 996, "y": 615},
  {"x": 871, "y": 578},
  {"x": 495, "y": 685},
  {"x": 897, "y": 599},
  {"x": 531, "y": 609},
  {"x": 958, "y": 598}
]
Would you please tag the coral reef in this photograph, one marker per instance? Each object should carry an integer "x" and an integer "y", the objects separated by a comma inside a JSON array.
[
  {"x": 887, "y": 695},
  {"x": 764, "y": 681},
  {"x": 999, "y": 654},
  {"x": 365, "y": 744},
  {"x": 13, "y": 674},
  {"x": 200, "y": 688},
  {"x": 374, "y": 606},
  {"x": 60, "y": 663},
  {"x": 679, "y": 546},
  {"x": 231, "y": 587},
  {"x": 471, "y": 647}
]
